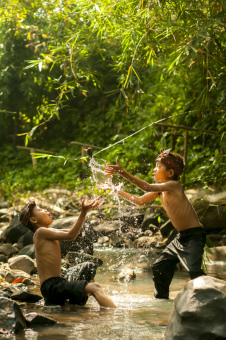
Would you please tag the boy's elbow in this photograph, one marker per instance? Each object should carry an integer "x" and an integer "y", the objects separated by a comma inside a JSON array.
[
  {"x": 139, "y": 203},
  {"x": 70, "y": 237}
]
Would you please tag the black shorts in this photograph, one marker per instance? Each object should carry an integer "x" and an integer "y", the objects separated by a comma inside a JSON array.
[{"x": 57, "y": 290}]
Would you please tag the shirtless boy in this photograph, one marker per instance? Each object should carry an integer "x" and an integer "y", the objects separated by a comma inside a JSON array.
[
  {"x": 187, "y": 246},
  {"x": 54, "y": 288}
]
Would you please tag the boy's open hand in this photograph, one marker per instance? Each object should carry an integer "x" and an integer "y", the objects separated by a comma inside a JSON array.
[
  {"x": 90, "y": 205},
  {"x": 114, "y": 169}
]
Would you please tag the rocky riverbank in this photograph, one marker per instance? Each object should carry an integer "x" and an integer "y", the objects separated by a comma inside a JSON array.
[{"x": 135, "y": 227}]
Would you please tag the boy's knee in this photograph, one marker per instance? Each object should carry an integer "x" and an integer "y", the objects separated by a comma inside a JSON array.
[{"x": 94, "y": 287}]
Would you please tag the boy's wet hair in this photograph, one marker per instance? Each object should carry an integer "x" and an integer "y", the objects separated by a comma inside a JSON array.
[
  {"x": 25, "y": 215},
  {"x": 172, "y": 161}
]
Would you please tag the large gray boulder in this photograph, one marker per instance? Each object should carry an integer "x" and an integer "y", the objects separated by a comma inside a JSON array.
[
  {"x": 14, "y": 231},
  {"x": 106, "y": 228},
  {"x": 150, "y": 218},
  {"x": 212, "y": 218},
  {"x": 200, "y": 311},
  {"x": 218, "y": 254},
  {"x": 8, "y": 249},
  {"x": 84, "y": 241},
  {"x": 28, "y": 250},
  {"x": 12, "y": 319},
  {"x": 22, "y": 262},
  {"x": 25, "y": 239}
]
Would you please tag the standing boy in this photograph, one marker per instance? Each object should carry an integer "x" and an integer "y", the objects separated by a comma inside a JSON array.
[
  {"x": 187, "y": 247},
  {"x": 54, "y": 288}
]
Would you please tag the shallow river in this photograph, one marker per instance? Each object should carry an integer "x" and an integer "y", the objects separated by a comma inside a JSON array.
[{"x": 138, "y": 315}]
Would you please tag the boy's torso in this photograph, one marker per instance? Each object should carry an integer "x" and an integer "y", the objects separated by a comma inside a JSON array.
[
  {"x": 48, "y": 258},
  {"x": 179, "y": 209}
]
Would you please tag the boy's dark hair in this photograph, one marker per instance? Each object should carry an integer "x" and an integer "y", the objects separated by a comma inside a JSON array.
[
  {"x": 172, "y": 161},
  {"x": 25, "y": 215}
]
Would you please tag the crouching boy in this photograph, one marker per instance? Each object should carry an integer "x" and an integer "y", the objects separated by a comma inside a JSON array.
[{"x": 54, "y": 288}]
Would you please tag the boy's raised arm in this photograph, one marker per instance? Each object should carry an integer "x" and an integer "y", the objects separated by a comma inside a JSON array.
[
  {"x": 70, "y": 234},
  {"x": 143, "y": 185}
]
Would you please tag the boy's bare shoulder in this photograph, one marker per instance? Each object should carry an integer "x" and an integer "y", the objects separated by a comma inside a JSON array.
[
  {"x": 42, "y": 232},
  {"x": 174, "y": 186}
]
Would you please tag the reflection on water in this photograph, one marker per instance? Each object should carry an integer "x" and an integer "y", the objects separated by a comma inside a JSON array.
[{"x": 138, "y": 315}]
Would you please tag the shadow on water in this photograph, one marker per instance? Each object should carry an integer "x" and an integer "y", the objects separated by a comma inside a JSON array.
[{"x": 138, "y": 315}]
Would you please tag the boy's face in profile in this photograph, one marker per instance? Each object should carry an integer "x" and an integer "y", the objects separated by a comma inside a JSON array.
[
  {"x": 41, "y": 217},
  {"x": 161, "y": 174}
]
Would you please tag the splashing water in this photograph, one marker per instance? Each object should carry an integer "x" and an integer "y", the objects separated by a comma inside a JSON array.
[{"x": 100, "y": 178}]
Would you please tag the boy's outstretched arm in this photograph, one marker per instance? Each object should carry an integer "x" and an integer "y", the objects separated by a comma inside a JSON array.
[
  {"x": 130, "y": 197},
  {"x": 119, "y": 170},
  {"x": 138, "y": 200}
]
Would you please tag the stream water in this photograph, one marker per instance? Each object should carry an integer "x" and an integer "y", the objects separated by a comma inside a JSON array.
[{"x": 138, "y": 315}]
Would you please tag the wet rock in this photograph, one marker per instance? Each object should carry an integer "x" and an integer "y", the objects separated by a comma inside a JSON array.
[
  {"x": 24, "y": 294},
  {"x": 166, "y": 228},
  {"x": 24, "y": 263},
  {"x": 25, "y": 240},
  {"x": 12, "y": 319},
  {"x": 3, "y": 294},
  {"x": 126, "y": 275},
  {"x": 213, "y": 217},
  {"x": 3, "y": 272},
  {"x": 14, "y": 231},
  {"x": 75, "y": 258},
  {"x": 219, "y": 254},
  {"x": 9, "y": 290},
  {"x": 7, "y": 249},
  {"x": 28, "y": 282},
  {"x": 28, "y": 250},
  {"x": 3, "y": 258},
  {"x": 128, "y": 243},
  {"x": 84, "y": 271},
  {"x": 5, "y": 214},
  {"x": 133, "y": 216},
  {"x": 149, "y": 220},
  {"x": 146, "y": 242},
  {"x": 148, "y": 232},
  {"x": 199, "y": 311},
  {"x": 223, "y": 241},
  {"x": 15, "y": 274},
  {"x": 34, "y": 318},
  {"x": 214, "y": 239},
  {"x": 107, "y": 227},
  {"x": 103, "y": 239},
  {"x": 117, "y": 239}
]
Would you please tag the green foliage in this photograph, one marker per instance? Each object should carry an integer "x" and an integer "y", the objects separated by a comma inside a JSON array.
[{"x": 98, "y": 72}]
